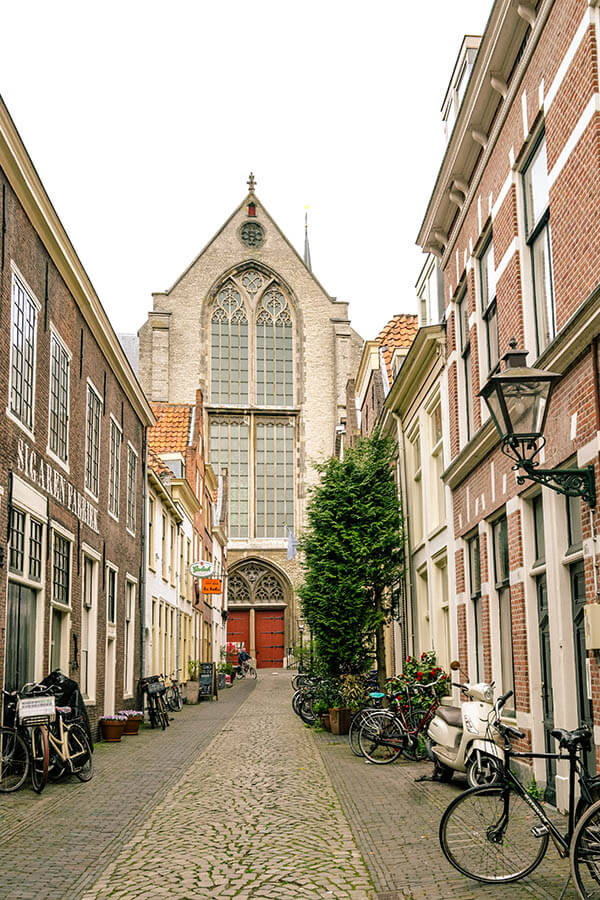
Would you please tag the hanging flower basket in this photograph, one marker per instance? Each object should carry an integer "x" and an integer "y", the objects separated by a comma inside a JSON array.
[{"x": 112, "y": 728}]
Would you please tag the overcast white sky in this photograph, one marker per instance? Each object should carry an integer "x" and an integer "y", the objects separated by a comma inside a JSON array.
[{"x": 145, "y": 118}]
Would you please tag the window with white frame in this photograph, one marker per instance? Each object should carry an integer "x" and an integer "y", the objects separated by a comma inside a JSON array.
[
  {"x": 111, "y": 595},
  {"x": 130, "y": 593},
  {"x": 539, "y": 240},
  {"x": 114, "y": 472},
  {"x": 22, "y": 353},
  {"x": 487, "y": 282},
  {"x": 438, "y": 505},
  {"x": 464, "y": 337},
  {"x": 131, "y": 483},
  {"x": 473, "y": 552},
  {"x": 151, "y": 532},
  {"x": 58, "y": 421},
  {"x": 61, "y": 597},
  {"x": 88, "y": 627},
  {"x": 92, "y": 449},
  {"x": 416, "y": 487},
  {"x": 25, "y": 564},
  {"x": 502, "y": 585}
]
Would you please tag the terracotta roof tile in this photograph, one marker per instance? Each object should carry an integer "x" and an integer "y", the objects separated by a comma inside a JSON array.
[
  {"x": 156, "y": 463},
  {"x": 399, "y": 333},
  {"x": 171, "y": 432}
]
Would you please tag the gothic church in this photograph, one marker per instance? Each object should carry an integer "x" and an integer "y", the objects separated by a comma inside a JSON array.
[{"x": 250, "y": 324}]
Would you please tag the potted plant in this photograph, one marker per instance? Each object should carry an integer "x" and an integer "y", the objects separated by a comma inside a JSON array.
[
  {"x": 112, "y": 728},
  {"x": 133, "y": 720},
  {"x": 321, "y": 709},
  {"x": 192, "y": 686}
]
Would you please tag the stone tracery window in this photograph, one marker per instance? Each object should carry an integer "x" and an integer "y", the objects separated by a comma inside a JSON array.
[
  {"x": 274, "y": 377},
  {"x": 229, "y": 338},
  {"x": 253, "y": 584}
]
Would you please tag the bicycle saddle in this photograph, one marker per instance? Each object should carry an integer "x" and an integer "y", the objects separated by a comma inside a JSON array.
[
  {"x": 376, "y": 695},
  {"x": 63, "y": 710},
  {"x": 568, "y": 739}
]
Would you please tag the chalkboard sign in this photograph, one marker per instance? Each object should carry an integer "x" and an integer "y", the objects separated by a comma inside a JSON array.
[{"x": 208, "y": 681}]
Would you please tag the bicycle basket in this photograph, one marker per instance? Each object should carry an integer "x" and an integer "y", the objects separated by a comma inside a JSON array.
[
  {"x": 38, "y": 710},
  {"x": 155, "y": 687}
]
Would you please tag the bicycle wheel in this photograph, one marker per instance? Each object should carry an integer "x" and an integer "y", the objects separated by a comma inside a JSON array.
[
  {"x": 178, "y": 699},
  {"x": 163, "y": 715},
  {"x": 153, "y": 711},
  {"x": 416, "y": 748},
  {"x": 80, "y": 753},
  {"x": 486, "y": 833},
  {"x": 382, "y": 738},
  {"x": 14, "y": 761},
  {"x": 252, "y": 672},
  {"x": 355, "y": 725},
  {"x": 39, "y": 757},
  {"x": 585, "y": 854},
  {"x": 169, "y": 699},
  {"x": 305, "y": 710}
]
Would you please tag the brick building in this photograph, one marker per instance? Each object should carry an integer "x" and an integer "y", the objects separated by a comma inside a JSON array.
[
  {"x": 72, "y": 451},
  {"x": 514, "y": 221},
  {"x": 250, "y": 324}
]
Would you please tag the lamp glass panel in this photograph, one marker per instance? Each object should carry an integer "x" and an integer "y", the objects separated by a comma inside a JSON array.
[
  {"x": 497, "y": 413},
  {"x": 526, "y": 404}
]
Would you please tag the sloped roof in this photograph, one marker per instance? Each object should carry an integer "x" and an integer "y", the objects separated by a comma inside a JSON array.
[
  {"x": 157, "y": 465},
  {"x": 399, "y": 333},
  {"x": 172, "y": 429}
]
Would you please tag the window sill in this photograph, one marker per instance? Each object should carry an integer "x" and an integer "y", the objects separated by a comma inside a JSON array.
[
  {"x": 89, "y": 701},
  {"x": 130, "y": 533},
  {"x": 112, "y": 515},
  {"x": 30, "y": 434},
  {"x": 573, "y": 557},
  {"x": 91, "y": 494},
  {"x": 59, "y": 462},
  {"x": 436, "y": 530},
  {"x": 538, "y": 570}
]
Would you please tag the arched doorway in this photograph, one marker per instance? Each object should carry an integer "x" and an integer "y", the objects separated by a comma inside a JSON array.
[{"x": 256, "y": 616}]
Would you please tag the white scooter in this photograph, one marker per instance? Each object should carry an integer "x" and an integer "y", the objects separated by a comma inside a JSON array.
[{"x": 460, "y": 736}]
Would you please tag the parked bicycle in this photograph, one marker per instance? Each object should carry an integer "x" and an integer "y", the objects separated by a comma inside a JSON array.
[
  {"x": 246, "y": 670},
  {"x": 499, "y": 833},
  {"x": 154, "y": 690},
  {"x": 387, "y": 733},
  {"x": 173, "y": 697},
  {"x": 24, "y": 743}
]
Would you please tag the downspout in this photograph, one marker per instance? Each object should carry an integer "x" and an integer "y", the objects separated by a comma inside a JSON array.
[
  {"x": 406, "y": 513},
  {"x": 142, "y": 591},
  {"x": 594, "y": 349}
]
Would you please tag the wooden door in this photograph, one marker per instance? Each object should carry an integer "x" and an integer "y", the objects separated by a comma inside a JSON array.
[
  {"x": 269, "y": 638},
  {"x": 584, "y": 703},
  {"x": 238, "y": 631},
  {"x": 550, "y": 745}
]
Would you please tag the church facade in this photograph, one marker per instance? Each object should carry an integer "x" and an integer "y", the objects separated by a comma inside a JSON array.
[{"x": 250, "y": 324}]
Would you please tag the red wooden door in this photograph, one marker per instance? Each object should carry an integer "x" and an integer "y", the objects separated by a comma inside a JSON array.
[
  {"x": 238, "y": 630},
  {"x": 269, "y": 638}
]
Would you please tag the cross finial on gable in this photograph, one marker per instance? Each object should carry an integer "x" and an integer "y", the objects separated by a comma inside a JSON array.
[{"x": 251, "y": 183}]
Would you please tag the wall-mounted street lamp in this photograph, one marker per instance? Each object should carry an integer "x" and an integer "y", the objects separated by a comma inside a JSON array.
[{"x": 518, "y": 399}]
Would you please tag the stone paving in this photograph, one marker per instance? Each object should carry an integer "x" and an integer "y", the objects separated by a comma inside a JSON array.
[
  {"x": 395, "y": 822},
  {"x": 255, "y": 818},
  {"x": 239, "y": 799},
  {"x": 55, "y": 845}
]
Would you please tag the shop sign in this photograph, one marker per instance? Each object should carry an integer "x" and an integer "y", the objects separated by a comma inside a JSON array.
[
  {"x": 211, "y": 586},
  {"x": 202, "y": 569},
  {"x": 55, "y": 484}
]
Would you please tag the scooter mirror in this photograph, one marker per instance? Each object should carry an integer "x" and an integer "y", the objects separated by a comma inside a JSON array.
[{"x": 455, "y": 665}]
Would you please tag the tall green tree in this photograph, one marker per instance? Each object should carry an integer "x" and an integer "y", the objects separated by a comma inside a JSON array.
[{"x": 353, "y": 555}]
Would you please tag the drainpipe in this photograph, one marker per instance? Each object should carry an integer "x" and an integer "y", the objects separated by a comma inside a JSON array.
[
  {"x": 594, "y": 349},
  {"x": 406, "y": 516},
  {"x": 142, "y": 591}
]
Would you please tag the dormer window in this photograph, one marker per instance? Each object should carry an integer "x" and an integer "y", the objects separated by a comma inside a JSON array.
[
  {"x": 458, "y": 83},
  {"x": 252, "y": 209}
]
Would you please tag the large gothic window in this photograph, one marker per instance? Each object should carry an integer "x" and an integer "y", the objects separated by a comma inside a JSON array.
[
  {"x": 252, "y": 583},
  {"x": 274, "y": 478},
  {"x": 274, "y": 383},
  {"x": 229, "y": 337},
  {"x": 252, "y": 367}
]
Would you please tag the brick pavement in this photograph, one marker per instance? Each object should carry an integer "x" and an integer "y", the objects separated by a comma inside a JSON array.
[
  {"x": 255, "y": 818},
  {"x": 55, "y": 845},
  {"x": 395, "y": 823}
]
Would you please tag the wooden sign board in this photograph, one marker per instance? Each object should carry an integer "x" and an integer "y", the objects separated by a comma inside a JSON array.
[
  {"x": 211, "y": 586},
  {"x": 208, "y": 681}
]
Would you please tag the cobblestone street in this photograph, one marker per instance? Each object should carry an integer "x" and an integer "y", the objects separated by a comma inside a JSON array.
[{"x": 239, "y": 799}]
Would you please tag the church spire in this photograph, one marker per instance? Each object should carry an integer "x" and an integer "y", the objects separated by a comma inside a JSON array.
[{"x": 307, "y": 262}]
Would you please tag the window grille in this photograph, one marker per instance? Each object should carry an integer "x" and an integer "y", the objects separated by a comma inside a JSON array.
[
  {"x": 92, "y": 453},
  {"x": 59, "y": 399},
  {"x": 115, "y": 468},
  {"x": 61, "y": 569},
  {"x": 131, "y": 479},
  {"x": 24, "y": 321},
  {"x": 17, "y": 541}
]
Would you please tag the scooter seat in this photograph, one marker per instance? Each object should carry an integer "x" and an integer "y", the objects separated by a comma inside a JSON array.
[{"x": 450, "y": 714}]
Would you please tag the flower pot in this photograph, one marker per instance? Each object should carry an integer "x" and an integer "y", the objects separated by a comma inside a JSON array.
[
  {"x": 112, "y": 730},
  {"x": 325, "y": 721},
  {"x": 132, "y": 725},
  {"x": 340, "y": 718}
]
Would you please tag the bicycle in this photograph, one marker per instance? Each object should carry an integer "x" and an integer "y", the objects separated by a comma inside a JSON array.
[
  {"x": 154, "y": 690},
  {"x": 70, "y": 751},
  {"x": 387, "y": 734},
  {"x": 246, "y": 670},
  {"x": 24, "y": 746},
  {"x": 173, "y": 697},
  {"x": 499, "y": 833}
]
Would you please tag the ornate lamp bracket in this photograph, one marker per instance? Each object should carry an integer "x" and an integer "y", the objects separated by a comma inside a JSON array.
[{"x": 570, "y": 482}]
